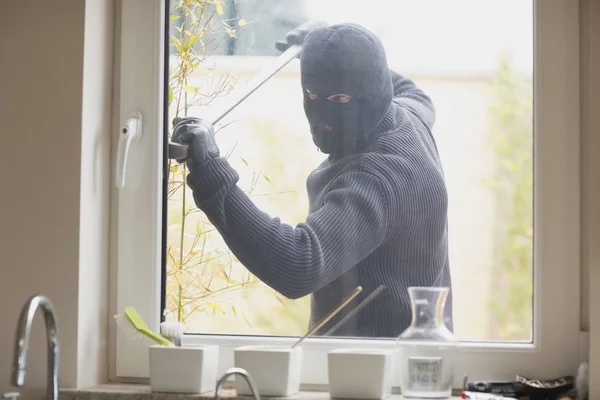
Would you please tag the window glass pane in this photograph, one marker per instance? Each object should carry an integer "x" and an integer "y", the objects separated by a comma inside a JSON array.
[{"x": 373, "y": 210}]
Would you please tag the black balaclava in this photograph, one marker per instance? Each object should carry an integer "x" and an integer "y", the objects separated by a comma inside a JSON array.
[{"x": 349, "y": 61}]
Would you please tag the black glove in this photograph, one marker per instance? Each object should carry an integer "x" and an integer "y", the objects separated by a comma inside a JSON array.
[
  {"x": 199, "y": 135},
  {"x": 297, "y": 35}
]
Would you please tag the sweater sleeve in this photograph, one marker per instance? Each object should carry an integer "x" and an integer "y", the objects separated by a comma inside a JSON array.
[
  {"x": 409, "y": 96},
  {"x": 295, "y": 261}
]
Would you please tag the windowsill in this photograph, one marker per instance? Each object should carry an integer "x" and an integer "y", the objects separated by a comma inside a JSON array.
[{"x": 142, "y": 392}]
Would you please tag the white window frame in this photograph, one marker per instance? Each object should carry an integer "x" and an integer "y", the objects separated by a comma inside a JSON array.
[{"x": 556, "y": 335}]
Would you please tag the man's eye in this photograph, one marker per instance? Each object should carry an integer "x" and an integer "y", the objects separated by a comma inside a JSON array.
[
  {"x": 340, "y": 98},
  {"x": 312, "y": 96}
]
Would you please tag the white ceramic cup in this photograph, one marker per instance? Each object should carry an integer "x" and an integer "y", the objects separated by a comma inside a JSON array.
[
  {"x": 274, "y": 369},
  {"x": 183, "y": 369},
  {"x": 360, "y": 373}
]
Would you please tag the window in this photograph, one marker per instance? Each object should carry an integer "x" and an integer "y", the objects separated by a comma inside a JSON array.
[{"x": 507, "y": 129}]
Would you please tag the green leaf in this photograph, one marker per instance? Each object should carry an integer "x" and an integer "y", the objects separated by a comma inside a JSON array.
[
  {"x": 227, "y": 279},
  {"x": 267, "y": 178},
  {"x": 177, "y": 44},
  {"x": 191, "y": 40},
  {"x": 233, "y": 310},
  {"x": 246, "y": 319},
  {"x": 174, "y": 168},
  {"x": 215, "y": 308},
  {"x": 170, "y": 95},
  {"x": 244, "y": 160},
  {"x": 189, "y": 89},
  {"x": 194, "y": 17},
  {"x": 174, "y": 17},
  {"x": 175, "y": 41},
  {"x": 219, "y": 7},
  {"x": 231, "y": 32}
]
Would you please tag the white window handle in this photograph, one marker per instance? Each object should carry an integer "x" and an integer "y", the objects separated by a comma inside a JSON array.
[{"x": 132, "y": 129}]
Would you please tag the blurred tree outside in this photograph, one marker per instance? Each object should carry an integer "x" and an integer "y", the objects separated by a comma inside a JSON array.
[
  {"x": 511, "y": 115},
  {"x": 281, "y": 193},
  {"x": 204, "y": 279},
  {"x": 199, "y": 272}
]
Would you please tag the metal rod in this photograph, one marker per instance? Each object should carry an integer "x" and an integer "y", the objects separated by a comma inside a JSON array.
[
  {"x": 330, "y": 315},
  {"x": 179, "y": 152},
  {"x": 284, "y": 59},
  {"x": 359, "y": 307}
]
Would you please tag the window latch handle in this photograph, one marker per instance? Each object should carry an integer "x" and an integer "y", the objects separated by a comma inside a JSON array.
[{"x": 132, "y": 129}]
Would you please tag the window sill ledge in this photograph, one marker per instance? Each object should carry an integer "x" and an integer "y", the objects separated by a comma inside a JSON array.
[{"x": 142, "y": 392}]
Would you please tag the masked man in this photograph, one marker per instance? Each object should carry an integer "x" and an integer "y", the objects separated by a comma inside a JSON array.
[{"x": 378, "y": 203}]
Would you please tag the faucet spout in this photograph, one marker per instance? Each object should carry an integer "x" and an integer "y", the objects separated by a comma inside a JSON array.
[
  {"x": 21, "y": 346},
  {"x": 243, "y": 373}
]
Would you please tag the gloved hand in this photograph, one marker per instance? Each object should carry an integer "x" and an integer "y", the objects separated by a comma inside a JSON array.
[
  {"x": 297, "y": 35},
  {"x": 199, "y": 135}
]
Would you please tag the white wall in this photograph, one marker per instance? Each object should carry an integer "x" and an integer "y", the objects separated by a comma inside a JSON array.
[{"x": 54, "y": 166}]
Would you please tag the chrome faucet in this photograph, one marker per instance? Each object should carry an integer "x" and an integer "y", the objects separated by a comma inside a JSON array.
[
  {"x": 22, "y": 343},
  {"x": 243, "y": 373}
]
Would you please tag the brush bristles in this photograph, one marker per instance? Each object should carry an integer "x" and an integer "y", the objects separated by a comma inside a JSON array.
[
  {"x": 171, "y": 329},
  {"x": 127, "y": 327}
]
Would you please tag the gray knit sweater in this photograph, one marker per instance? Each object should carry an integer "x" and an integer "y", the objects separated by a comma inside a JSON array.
[{"x": 376, "y": 217}]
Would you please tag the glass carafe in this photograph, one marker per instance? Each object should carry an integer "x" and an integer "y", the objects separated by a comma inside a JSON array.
[{"x": 427, "y": 349}]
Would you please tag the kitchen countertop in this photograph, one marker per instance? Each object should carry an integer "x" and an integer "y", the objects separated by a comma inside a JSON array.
[
  {"x": 142, "y": 392},
  {"x": 137, "y": 392}
]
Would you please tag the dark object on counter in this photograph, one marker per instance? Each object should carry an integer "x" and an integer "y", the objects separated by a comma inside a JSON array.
[
  {"x": 548, "y": 389},
  {"x": 527, "y": 389},
  {"x": 507, "y": 389}
]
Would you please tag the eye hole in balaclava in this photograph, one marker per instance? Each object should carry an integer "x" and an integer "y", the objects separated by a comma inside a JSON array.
[
  {"x": 336, "y": 98},
  {"x": 331, "y": 116},
  {"x": 346, "y": 85}
]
